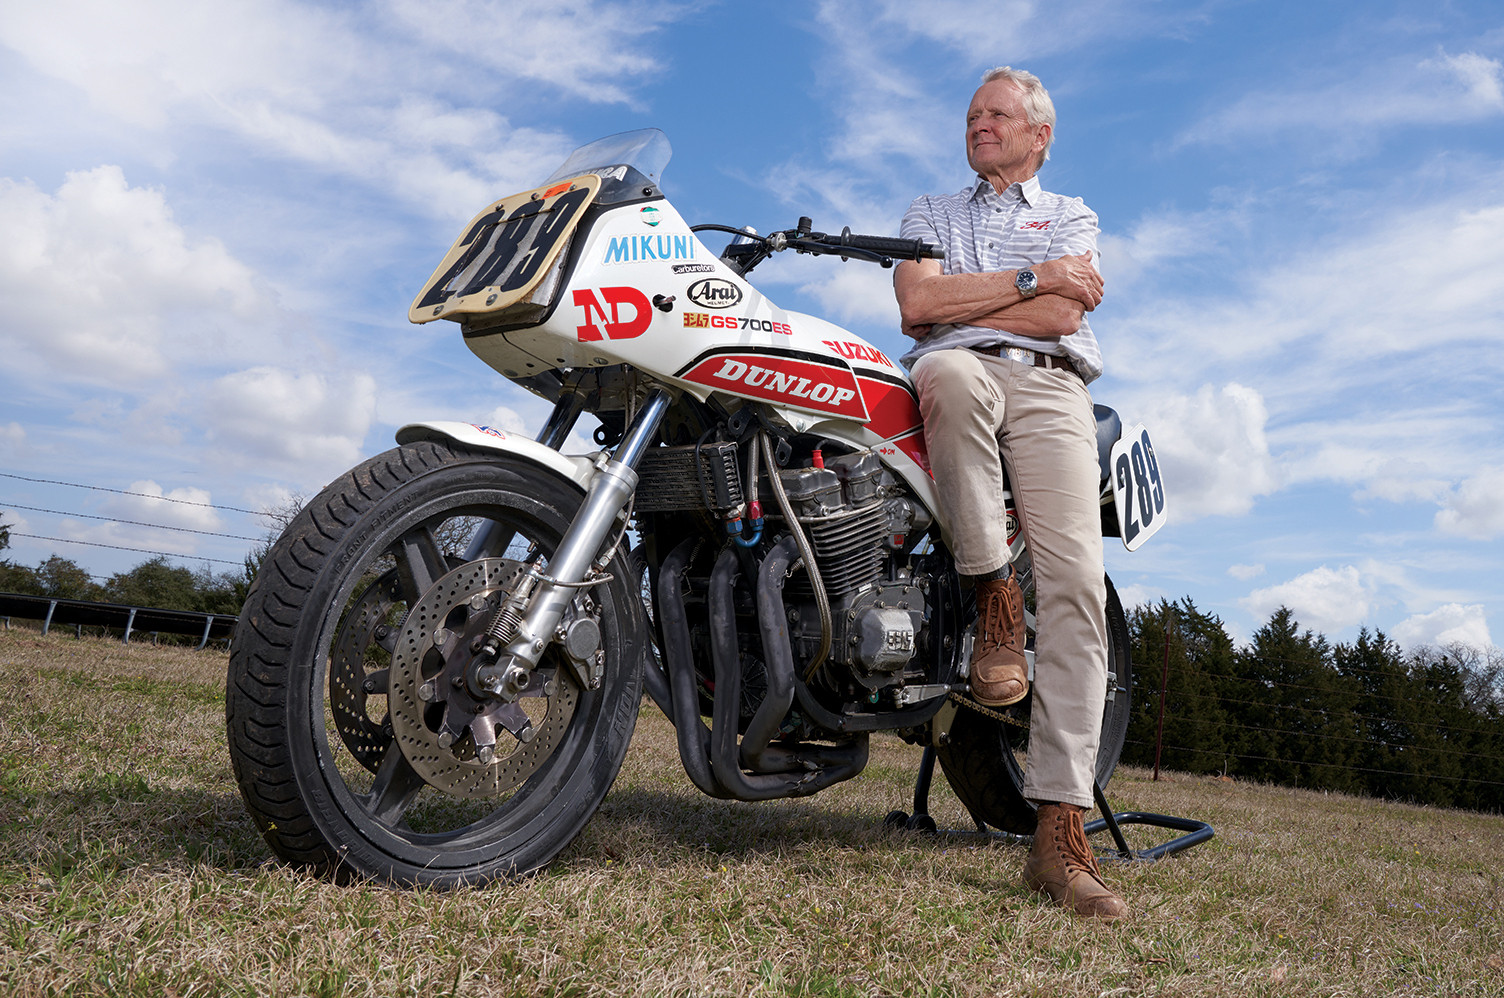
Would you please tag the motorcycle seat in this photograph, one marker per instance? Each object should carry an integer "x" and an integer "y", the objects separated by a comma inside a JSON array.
[{"x": 1109, "y": 428}]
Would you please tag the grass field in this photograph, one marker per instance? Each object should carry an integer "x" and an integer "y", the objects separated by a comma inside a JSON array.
[{"x": 128, "y": 867}]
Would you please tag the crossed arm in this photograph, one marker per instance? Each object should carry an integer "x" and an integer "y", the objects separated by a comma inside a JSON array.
[{"x": 1068, "y": 288}]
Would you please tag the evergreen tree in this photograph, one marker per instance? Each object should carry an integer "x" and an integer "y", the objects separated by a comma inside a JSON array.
[
  {"x": 1195, "y": 723},
  {"x": 1298, "y": 719}
]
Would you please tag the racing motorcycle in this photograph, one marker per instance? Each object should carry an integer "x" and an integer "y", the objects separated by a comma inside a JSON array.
[{"x": 439, "y": 667}]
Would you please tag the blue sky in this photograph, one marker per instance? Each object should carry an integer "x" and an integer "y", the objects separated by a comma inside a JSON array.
[{"x": 213, "y": 218}]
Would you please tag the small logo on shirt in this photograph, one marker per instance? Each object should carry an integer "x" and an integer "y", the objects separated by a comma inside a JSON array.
[{"x": 1036, "y": 225}]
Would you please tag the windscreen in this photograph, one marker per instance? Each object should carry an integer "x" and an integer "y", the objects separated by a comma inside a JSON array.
[{"x": 626, "y": 163}]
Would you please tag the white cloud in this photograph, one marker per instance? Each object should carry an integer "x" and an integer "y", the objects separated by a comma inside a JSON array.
[
  {"x": 1480, "y": 78},
  {"x": 180, "y": 507},
  {"x": 1139, "y": 594},
  {"x": 312, "y": 423},
  {"x": 334, "y": 88},
  {"x": 1245, "y": 572},
  {"x": 1448, "y": 624},
  {"x": 1324, "y": 599},
  {"x": 1155, "y": 239},
  {"x": 100, "y": 281},
  {"x": 584, "y": 48},
  {"x": 12, "y": 438},
  {"x": 860, "y": 293},
  {"x": 1448, "y": 89},
  {"x": 1474, "y": 509},
  {"x": 1211, "y": 447}
]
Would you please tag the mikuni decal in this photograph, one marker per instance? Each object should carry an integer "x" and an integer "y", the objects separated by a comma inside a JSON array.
[
  {"x": 704, "y": 320},
  {"x": 604, "y": 306},
  {"x": 859, "y": 351},
  {"x": 714, "y": 292},
  {"x": 694, "y": 268},
  {"x": 637, "y": 249},
  {"x": 800, "y": 383}
]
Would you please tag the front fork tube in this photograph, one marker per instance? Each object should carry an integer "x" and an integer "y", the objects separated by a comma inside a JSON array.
[{"x": 609, "y": 491}]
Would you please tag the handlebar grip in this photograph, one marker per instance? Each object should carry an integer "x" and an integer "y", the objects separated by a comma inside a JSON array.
[{"x": 899, "y": 249}]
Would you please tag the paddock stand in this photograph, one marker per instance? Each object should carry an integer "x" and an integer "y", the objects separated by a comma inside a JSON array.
[{"x": 1196, "y": 832}]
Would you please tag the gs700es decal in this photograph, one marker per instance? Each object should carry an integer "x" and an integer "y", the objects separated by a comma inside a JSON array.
[
  {"x": 803, "y": 384},
  {"x": 703, "y": 320}
]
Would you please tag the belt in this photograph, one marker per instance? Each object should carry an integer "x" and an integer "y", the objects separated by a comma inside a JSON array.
[{"x": 1031, "y": 357}]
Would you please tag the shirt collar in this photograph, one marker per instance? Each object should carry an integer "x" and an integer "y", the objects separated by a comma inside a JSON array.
[{"x": 1027, "y": 191}]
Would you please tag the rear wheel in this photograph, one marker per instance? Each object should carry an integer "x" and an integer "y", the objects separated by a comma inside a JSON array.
[
  {"x": 984, "y": 758},
  {"x": 359, "y": 743}
]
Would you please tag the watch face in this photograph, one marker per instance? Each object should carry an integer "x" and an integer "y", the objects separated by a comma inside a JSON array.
[{"x": 1026, "y": 281}]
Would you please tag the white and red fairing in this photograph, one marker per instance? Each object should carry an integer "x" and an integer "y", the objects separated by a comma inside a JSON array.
[{"x": 628, "y": 301}]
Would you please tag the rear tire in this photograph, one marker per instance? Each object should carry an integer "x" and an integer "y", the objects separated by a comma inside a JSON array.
[
  {"x": 984, "y": 758},
  {"x": 360, "y": 571}
]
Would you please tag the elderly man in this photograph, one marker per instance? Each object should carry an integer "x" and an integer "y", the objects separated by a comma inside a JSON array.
[{"x": 1003, "y": 357}]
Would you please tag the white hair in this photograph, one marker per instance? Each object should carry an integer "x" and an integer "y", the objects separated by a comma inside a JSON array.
[{"x": 1038, "y": 107}]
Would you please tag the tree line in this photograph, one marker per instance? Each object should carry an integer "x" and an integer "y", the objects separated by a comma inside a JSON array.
[
  {"x": 156, "y": 582},
  {"x": 1292, "y": 708}
]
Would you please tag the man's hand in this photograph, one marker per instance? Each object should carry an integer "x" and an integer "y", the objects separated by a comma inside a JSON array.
[{"x": 1071, "y": 277}]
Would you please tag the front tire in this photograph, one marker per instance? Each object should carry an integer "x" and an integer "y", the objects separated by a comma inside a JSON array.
[
  {"x": 984, "y": 758},
  {"x": 343, "y": 765}
]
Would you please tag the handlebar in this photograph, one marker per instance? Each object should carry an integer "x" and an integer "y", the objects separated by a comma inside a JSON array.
[{"x": 882, "y": 250}]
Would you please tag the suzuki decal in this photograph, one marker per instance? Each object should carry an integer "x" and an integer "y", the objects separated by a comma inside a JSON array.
[
  {"x": 792, "y": 381},
  {"x": 859, "y": 351},
  {"x": 622, "y": 313}
]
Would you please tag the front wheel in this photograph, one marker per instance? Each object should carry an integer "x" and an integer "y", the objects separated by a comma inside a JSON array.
[
  {"x": 357, "y": 740},
  {"x": 984, "y": 758}
]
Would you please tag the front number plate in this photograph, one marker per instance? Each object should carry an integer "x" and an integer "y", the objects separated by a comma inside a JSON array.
[
  {"x": 1138, "y": 488},
  {"x": 505, "y": 251}
]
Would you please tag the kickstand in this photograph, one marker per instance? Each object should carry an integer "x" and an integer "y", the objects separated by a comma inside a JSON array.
[{"x": 1196, "y": 832}]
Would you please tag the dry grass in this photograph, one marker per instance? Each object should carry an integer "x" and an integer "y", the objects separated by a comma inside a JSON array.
[{"x": 128, "y": 867}]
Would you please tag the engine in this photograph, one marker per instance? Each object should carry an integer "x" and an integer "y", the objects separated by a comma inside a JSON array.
[{"x": 855, "y": 519}]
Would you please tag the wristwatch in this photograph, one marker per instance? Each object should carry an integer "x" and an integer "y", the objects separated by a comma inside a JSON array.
[{"x": 1026, "y": 283}]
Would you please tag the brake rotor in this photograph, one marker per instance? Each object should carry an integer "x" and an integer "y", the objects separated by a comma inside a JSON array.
[
  {"x": 355, "y": 675},
  {"x": 463, "y": 744}
]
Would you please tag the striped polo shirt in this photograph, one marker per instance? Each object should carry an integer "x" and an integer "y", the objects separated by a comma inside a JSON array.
[{"x": 982, "y": 230}]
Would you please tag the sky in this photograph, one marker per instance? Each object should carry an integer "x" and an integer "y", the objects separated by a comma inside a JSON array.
[{"x": 213, "y": 218}]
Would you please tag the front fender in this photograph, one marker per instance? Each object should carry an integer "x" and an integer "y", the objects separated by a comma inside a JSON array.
[{"x": 580, "y": 470}]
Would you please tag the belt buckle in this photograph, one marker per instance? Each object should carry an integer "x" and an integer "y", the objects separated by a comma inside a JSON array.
[{"x": 1021, "y": 354}]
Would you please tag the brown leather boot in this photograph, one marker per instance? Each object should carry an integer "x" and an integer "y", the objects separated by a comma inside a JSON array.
[
  {"x": 999, "y": 671},
  {"x": 1062, "y": 865}
]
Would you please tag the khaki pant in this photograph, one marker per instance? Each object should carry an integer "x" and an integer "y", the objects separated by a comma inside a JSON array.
[{"x": 1041, "y": 421}]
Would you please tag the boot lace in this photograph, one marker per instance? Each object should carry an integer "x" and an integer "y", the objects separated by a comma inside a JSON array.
[
  {"x": 1075, "y": 849},
  {"x": 999, "y": 607}
]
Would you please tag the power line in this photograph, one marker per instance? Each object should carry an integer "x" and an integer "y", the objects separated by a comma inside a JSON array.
[
  {"x": 141, "y": 495},
  {"x": 134, "y": 523},
  {"x": 118, "y": 547}
]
